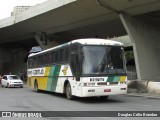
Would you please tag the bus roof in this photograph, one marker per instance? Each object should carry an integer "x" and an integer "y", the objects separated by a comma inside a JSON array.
[
  {"x": 97, "y": 41},
  {"x": 88, "y": 41}
]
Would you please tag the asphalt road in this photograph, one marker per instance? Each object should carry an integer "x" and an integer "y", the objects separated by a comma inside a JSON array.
[{"x": 24, "y": 99}]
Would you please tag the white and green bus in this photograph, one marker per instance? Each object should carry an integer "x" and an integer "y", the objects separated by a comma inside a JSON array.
[{"x": 82, "y": 68}]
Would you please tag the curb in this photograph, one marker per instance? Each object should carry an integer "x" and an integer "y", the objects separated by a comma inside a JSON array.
[{"x": 145, "y": 96}]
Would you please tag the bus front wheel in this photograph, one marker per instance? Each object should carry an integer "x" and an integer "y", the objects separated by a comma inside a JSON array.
[{"x": 69, "y": 92}]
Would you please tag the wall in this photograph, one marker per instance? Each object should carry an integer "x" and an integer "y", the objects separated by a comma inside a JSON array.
[{"x": 12, "y": 61}]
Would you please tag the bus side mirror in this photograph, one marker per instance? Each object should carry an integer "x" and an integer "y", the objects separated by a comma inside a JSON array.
[{"x": 79, "y": 59}]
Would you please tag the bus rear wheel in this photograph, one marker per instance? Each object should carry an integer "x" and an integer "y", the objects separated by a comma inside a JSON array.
[
  {"x": 36, "y": 86},
  {"x": 69, "y": 92}
]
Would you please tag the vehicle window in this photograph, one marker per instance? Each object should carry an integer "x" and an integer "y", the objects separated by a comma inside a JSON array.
[
  {"x": 4, "y": 77},
  {"x": 44, "y": 59},
  {"x": 103, "y": 60},
  {"x": 30, "y": 62},
  {"x": 57, "y": 56},
  {"x": 39, "y": 60},
  {"x": 61, "y": 55},
  {"x": 66, "y": 54},
  {"x": 53, "y": 57},
  {"x": 13, "y": 77},
  {"x": 93, "y": 56},
  {"x": 50, "y": 58}
]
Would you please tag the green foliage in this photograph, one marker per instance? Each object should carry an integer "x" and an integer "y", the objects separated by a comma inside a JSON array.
[{"x": 129, "y": 55}]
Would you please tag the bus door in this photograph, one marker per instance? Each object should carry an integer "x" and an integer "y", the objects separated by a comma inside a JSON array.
[{"x": 76, "y": 67}]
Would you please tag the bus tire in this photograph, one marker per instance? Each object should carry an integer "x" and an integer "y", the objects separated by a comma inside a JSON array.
[
  {"x": 36, "y": 86},
  {"x": 69, "y": 92},
  {"x": 104, "y": 97}
]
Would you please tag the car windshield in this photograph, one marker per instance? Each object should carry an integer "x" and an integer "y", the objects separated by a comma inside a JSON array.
[
  {"x": 103, "y": 60},
  {"x": 13, "y": 77}
]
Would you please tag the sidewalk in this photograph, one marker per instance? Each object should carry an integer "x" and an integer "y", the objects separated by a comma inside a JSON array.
[
  {"x": 135, "y": 93},
  {"x": 146, "y": 89}
]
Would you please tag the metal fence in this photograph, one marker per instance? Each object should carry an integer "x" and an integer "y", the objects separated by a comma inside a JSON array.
[{"x": 131, "y": 72}]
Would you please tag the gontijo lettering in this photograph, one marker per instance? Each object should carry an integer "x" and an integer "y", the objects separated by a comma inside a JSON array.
[{"x": 34, "y": 72}]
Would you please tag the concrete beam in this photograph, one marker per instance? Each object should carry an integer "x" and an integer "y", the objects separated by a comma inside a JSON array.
[
  {"x": 49, "y": 44},
  {"x": 144, "y": 33}
]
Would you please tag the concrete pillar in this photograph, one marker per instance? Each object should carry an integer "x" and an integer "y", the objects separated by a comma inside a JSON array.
[
  {"x": 49, "y": 43},
  {"x": 145, "y": 34}
]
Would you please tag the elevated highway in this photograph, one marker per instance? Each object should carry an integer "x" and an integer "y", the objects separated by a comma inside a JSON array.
[{"x": 65, "y": 20}]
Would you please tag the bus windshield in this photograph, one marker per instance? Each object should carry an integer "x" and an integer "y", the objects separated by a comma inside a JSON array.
[{"x": 103, "y": 60}]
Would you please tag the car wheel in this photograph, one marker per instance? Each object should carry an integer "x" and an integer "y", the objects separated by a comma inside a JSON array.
[
  {"x": 7, "y": 85},
  {"x": 21, "y": 86},
  {"x": 69, "y": 92},
  {"x": 1, "y": 85}
]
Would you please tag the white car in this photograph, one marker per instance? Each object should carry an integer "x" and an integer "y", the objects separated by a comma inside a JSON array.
[{"x": 11, "y": 81}]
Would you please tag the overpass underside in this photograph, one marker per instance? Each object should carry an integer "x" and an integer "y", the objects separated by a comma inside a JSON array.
[{"x": 88, "y": 19}]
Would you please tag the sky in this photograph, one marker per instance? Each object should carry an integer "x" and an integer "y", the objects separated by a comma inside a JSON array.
[{"x": 6, "y": 6}]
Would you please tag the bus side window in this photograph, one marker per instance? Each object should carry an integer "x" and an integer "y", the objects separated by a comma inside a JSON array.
[
  {"x": 61, "y": 55},
  {"x": 53, "y": 57},
  {"x": 66, "y": 54},
  {"x": 35, "y": 61},
  {"x": 40, "y": 60},
  {"x": 44, "y": 59},
  {"x": 30, "y": 62},
  {"x": 48, "y": 58},
  {"x": 73, "y": 63},
  {"x": 56, "y": 56}
]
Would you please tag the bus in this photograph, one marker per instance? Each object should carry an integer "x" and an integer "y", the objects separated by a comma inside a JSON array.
[{"x": 83, "y": 68}]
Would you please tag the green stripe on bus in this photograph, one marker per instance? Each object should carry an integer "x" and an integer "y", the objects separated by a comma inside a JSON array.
[
  {"x": 116, "y": 79},
  {"x": 50, "y": 79},
  {"x": 55, "y": 77},
  {"x": 110, "y": 79}
]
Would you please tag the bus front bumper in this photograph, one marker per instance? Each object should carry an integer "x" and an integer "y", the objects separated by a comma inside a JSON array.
[{"x": 103, "y": 90}]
